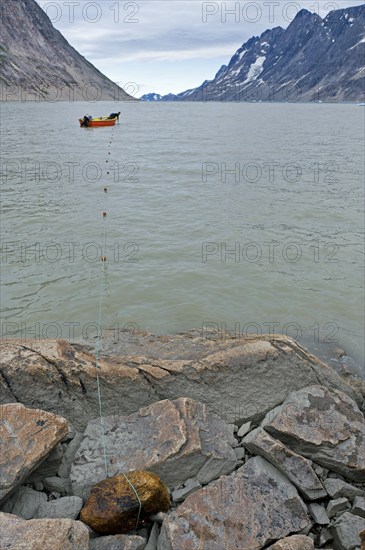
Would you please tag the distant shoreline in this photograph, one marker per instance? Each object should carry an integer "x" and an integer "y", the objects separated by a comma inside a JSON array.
[{"x": 137, "y": 100}]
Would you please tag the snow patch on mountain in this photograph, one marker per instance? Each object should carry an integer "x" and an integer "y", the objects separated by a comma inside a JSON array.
[
  {"x": 242, "y": 54},
  {"x": 256, "y": 69},
  {"x": 362, "y": 41}
]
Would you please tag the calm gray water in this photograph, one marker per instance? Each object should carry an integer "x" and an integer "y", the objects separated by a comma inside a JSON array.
[{"x": 279, "y": 185}]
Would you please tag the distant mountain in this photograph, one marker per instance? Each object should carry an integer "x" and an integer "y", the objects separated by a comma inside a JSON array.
[
  {"x": 37, "y": 62},
  {"x": 151, "y": 97},
  {"x": 314, "y": 59}
]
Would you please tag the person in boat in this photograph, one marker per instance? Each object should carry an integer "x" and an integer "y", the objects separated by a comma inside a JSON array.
[
  {"x": 113, "y": 115},
  {"x": 86, "y": 119}
]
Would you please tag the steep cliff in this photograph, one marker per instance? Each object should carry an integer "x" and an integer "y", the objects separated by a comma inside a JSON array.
[{"x": 37, "y": 62}]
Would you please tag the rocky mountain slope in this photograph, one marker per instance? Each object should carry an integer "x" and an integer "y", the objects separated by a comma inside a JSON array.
[
  {"x": 37, "y": 62},
  {"x": 151, "y": 97},
  {"x": 314, "y": 59}
]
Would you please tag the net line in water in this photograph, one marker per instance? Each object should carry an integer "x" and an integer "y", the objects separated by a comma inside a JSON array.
[{"x": 99, "y": 341}]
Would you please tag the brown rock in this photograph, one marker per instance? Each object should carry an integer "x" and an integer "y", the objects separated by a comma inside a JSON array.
[
  {"x": 296, "y": 542},
  {"x": 27, "y": 437},
  {"x": 113, "y": 507},
  {"x": 176, "y": 440},
  {"x": 362, "y": 539},
  {"x": 245, "y": 510},
  {"x": 228, "y": 374},
  {"x": 323, "y": 425},
  {"x": 44, "y": 534}
]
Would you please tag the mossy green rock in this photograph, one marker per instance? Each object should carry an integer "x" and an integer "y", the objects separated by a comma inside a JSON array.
[{"x": 113, "y": 507}]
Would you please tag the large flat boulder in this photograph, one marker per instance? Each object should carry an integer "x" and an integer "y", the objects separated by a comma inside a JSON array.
[
  {"x": 47, "y": 534},
  {"x": 324, "y": 425},
  {"x": 228, "y": 374},
  {"x": 54, "y": 376},
  {"x": 176, "y": 440},
  {"x": 295, "y": 467},
  {"x": 246, "y": 510},
  {"x": 27, "y": 437}
]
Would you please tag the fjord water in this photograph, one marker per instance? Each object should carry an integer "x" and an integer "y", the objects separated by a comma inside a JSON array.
[{"x": 281, "y": 185}]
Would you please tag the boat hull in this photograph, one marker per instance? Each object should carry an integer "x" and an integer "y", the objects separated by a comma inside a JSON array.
[{"x": 96, "y": 122}]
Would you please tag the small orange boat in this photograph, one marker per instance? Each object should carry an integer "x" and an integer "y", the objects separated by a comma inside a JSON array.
[{"x": 88, "y": 122}]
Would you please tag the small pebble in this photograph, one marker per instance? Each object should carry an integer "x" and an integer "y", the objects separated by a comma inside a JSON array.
[
  {"x": 240, "y": 453},
  {"x": 244, "y": 429}
]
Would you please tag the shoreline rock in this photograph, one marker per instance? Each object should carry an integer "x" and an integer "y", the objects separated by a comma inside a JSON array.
[
  {"x": 245, "y": 510},
  {"x": 176, "y": 440},
  {"x": 324, "y": 425},
  {"x": 296, "y": 468},
  {"x": 230, "y": 377},
  {"x": 264, "y": 448},
  {"x": 48, "y": 534},
  {"x": 28, "y": 436}
]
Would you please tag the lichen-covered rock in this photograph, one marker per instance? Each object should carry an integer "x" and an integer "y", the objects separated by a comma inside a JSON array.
[
  {"x": 324, "y": 425},
  {"x": 113, "y": 507},
  {"x": 44, "y": 534},
  {"x": 295, "y": 542},
  {"x": 27, "y": 437},
  {"x": 245, "y": 510},
  {"x": 295, "y": 467},
  {"x": 176, "y": 440}
]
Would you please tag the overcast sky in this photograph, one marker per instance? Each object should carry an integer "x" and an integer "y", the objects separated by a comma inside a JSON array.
[{"x": 169, "y": 45}]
